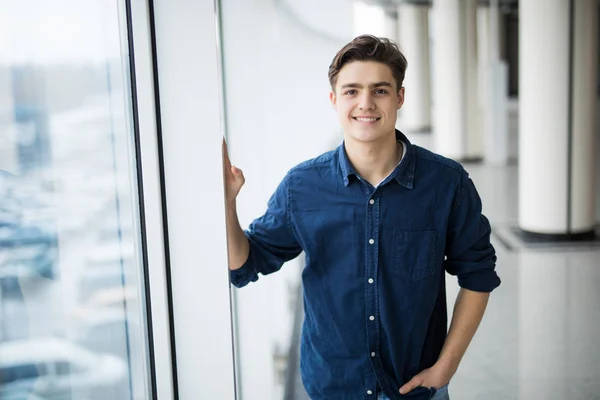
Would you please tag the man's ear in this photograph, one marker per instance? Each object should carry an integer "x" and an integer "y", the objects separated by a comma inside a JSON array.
[
  {"x": 400, "y": 97},
  {"x": 332, "y": 98}
]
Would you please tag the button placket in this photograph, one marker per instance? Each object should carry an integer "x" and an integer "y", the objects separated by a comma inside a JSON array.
[{"x": 372, "y": 235}]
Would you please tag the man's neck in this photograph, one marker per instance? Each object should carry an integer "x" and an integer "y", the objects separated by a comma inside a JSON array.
[{"x": 374, "y": 161}]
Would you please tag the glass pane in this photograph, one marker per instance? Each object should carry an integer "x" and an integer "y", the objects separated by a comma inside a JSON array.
[{"x": 72, "y": 300}]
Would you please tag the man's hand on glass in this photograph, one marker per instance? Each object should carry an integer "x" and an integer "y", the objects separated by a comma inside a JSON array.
[{"x": 233, "y": 177}]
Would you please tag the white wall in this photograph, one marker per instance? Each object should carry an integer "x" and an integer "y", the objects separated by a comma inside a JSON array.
[
  {"x": 370, "y": 19},
  {"x": 276, "y": 57},
  {"x": 192, "y": 139},
  {"x": 327, "y": 17}
]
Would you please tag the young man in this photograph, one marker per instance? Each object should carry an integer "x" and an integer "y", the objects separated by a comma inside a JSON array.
[{"x": 379, "y": 220}]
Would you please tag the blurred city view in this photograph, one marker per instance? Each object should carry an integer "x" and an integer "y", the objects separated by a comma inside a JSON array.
[{"x": 72, "y": 307}]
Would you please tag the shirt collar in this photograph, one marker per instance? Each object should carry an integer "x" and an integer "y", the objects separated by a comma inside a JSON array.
[{"x": 404, "y": 172}]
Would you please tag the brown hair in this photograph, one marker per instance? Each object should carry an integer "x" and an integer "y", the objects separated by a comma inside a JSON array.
[{"x": 370, "y": 48}]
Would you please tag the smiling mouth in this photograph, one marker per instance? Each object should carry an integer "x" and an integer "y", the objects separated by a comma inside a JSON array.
[{"x": 366, "y": 119}]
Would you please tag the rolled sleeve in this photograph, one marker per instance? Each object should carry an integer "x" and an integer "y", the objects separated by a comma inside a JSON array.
[
  {"x": 271, "y": 237},
  {"x": 245, "y": 274},
  {"x": 469, "y": 253}
]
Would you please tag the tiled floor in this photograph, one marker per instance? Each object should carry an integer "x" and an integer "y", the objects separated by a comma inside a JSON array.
[{"x": 540, "y": 337}]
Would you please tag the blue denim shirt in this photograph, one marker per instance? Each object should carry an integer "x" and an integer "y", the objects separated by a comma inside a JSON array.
[{"x": 374, "y": 288}]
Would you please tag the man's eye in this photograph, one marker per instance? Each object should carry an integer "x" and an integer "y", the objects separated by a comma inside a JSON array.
[
  {"x": 381, "y": 91},
  {"x": 350, "y": 92}
]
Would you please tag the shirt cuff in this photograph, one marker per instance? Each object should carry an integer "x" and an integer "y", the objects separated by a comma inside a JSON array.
[
  {"x": 481, "y": 281},
  {"x": 242, "y": 276}
]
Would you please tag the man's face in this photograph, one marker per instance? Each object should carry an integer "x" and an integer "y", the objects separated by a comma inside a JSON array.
[{"x": 367, "y": 100}]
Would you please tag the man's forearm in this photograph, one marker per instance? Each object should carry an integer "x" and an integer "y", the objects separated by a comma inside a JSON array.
[
  {"x": 238, "y": 247},
  {"x": 468, "y": 312}
]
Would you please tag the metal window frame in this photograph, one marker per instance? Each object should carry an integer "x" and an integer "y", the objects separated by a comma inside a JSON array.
[
  {"x": 190, "y": 134},
  {"x": 150, "y": 170}
]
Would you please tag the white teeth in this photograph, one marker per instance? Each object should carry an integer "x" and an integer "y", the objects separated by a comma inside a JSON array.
[{"x": 366, "y": 119}]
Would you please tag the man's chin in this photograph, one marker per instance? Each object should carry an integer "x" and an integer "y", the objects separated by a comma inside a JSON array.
[
  {"x": 362, "y": 138},
  {"x": 364, "y": 135}
]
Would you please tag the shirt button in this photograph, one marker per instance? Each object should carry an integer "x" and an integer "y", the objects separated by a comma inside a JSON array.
[
  {"x": 371, "y": 201},
  {"x": 369, "y": 392},
  {"x": 372, "y": 318},
  {"x": 371, "y": 280},
  {"x": 373, "y": 354},
  {"x": 371, "y": 241}
]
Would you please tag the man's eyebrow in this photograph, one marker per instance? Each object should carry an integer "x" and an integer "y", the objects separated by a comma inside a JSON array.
[
  {"x": 382, "y": 83},
  {"x": 373, "y": 85}
]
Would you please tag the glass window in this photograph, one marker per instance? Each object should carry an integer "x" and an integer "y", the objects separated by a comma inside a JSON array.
[
  {"x": 20, "y": 372},
  {"x": 62, "y": 368},
  {"x": 71, "y": 283}
]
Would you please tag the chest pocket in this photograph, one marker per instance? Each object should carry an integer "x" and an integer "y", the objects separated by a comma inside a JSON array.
[{"x": 414, "y": 254}]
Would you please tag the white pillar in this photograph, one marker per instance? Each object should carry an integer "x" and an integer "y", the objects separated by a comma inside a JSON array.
[
  {"x": 483, "y": 56},
  {"x": 413, "y": 39},
  {"x": 585, "y": 119},
  {"x": 474, "y": 142},
  {"x": 558, "y": 63},
  {"x": 493, "y": 81},
  {"x": 455, "y": 79}
]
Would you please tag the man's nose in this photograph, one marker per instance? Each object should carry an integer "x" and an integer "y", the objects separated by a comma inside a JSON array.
[{"x": 366, "y": 102}]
